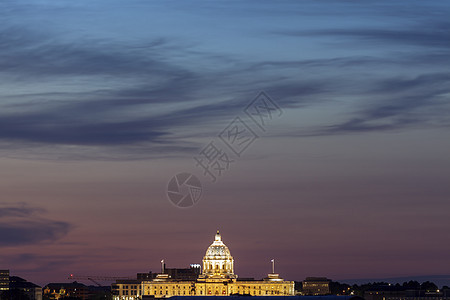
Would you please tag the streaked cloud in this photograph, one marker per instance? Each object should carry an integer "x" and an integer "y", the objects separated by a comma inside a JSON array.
[{"x": 22, "y": 224}]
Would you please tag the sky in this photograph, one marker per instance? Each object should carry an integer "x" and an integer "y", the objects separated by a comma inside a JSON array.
[{"x": 103, "y": 102}]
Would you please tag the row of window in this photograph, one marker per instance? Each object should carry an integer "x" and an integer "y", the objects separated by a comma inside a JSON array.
[
  {"x": 259, "y": 287},
  {"x": 241, "y": 286},
  {"x": 173, "y": 287},
  {"x": 226, "y": 266},
  {"x": 130, "y": 292},
  {"x": 187, "y": 289},
  {"x": 133, "y": 287},
  {"x": 216, "y": 292}
]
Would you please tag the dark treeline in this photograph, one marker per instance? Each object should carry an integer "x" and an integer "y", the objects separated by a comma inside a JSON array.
[{"x": 337, "y": 288}]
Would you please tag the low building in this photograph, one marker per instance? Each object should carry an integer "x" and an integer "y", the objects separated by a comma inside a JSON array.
[
  {"x": 99, "y": 292},
  {"x": 398, "y": 293},
  {"x": 55, "y": 291},
  {"x": 216, "y": 279},
  {"x": 33, "y": 291},
  {"x": 315, "y": 286}
]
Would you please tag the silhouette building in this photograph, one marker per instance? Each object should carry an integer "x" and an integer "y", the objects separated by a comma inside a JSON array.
[
  {"x": 30, "y": 290},
  {"x": 315, "y": 286}
]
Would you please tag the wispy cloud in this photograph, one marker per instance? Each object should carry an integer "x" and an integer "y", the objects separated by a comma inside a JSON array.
[
  {"x": 105, "y": 99},
  {"x": 396, "y": 104},
  {"x": 427, "y": 35},
  {"x": 419, "y": 32},
  {"x": 22, "y": 224},
  {"x": 28, "y": 53}
]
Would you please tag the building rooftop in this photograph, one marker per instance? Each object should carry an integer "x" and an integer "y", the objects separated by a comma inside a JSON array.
[
  {"x": 317, "y": 279},
  {"x": 18, "y": 282}
]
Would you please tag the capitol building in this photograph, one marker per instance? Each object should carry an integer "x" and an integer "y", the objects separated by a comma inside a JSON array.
[{"x": 216, "y": 278}]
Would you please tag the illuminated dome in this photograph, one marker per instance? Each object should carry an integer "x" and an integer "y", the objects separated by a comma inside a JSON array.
[
  {"x": 218, "y": 248},
  {"x": 218, "y": 262}
]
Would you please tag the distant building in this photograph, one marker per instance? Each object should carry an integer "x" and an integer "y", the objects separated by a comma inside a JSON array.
[
  {"x": 216, "y": 279},
  {"x": 4, "y": 280},
  {"x": 33, "y": 291},
  {"x": 395, "y": 293},
  {"x": 191, "y": 273},
  {"x": 146, "y": 276},
  {"x": 55, "y": 291},
  {"x": 187, "y": 274},
  {"x": 315, "y": 286},
  {"x": 99, "y": 292}
]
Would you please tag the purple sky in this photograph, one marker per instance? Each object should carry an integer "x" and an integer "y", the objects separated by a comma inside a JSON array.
[{"x": 102, "y": 103}]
